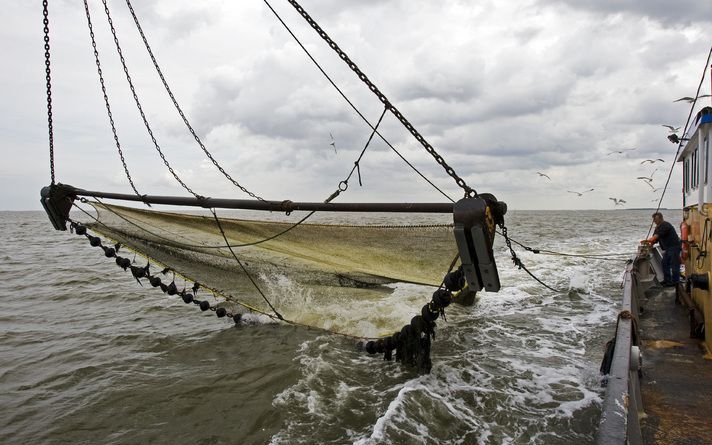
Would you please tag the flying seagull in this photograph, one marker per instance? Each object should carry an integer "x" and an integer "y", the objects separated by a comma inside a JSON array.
[
  {"x": 650, "y": 184},
  {"x": 691, "y": 99},
  {"x": 544, "y": 175},
  {"x": 333, "y": 142},
  {"x": 671, "y": 128},
  {"x": 617, "y": 201},
  {"x": 580, "y": 193},
  {"x": 646, "y": 178},
  {"x": 621, "y": 151},
  {"x": 653, "y": 161}
]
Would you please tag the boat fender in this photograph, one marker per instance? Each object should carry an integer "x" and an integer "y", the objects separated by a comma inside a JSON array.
[
  {"x": 187, "y": 298},
  {"x": 636, "y": 359},
  {"x": 684, "y": 235},
  {"x": 700, "y": 281},
  {"x": 94, "y": 241},
  {"x": 608, "y": 356},
  {"x": 204, "y": 305}
]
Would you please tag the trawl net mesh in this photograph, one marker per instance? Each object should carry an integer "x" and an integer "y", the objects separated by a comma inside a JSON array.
[{"x": 362, "y": 280}]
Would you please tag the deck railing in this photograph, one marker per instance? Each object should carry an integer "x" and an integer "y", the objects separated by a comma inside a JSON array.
[{"x": 622, "y": 404}]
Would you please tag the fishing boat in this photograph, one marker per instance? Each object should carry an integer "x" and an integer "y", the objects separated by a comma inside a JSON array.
[
  {"x": 352, "y": 274},
  {"x": 658, "y": 365}
]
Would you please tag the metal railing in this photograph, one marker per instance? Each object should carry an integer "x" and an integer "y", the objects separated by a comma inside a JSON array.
[{"x": 622, "y": 404}]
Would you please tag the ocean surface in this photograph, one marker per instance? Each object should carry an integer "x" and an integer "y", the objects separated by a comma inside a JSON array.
[{"x": 87, "y": 356}]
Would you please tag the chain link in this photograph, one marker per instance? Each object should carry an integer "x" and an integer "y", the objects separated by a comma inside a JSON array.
[
  {"x": 180, "y": 111},
  {"x": 138, "y": 104},
  {"x": 106, "y": 98},
  {"x": 469, "y": 192},
  {"x": 48, "y": 77}
]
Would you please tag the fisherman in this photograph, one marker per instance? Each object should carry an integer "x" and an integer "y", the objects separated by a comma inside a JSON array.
[{"x": 666, "y": 235}]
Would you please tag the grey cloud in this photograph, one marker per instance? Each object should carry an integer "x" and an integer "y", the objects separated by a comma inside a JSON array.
[{"x": 670, "y": 14}]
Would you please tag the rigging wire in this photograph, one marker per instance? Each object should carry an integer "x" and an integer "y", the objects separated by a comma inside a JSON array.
[
  {"x": 106, "y": 99},
  {"x": 594, "y": 256},
  {"x": 679, "y": 144},
  {"x": 138, "y": 104},
  {"x": 242, "y": 266},
  {"x": 351, "y": 103},
  {"x": 180, "y": 111},
  {"x": 469, "y": 192}
]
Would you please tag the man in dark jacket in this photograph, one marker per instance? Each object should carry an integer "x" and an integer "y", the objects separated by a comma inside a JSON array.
[{"x": 666, "y": 235}]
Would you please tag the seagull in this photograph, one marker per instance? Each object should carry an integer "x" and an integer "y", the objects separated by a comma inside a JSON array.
[
  {"x": 544, "y": 175},
  {"x": 333, "y": 142},
  {"x": 617, "y": 201},
  {"x": 671, "y": 128},
  {"x": 653, "y": 161},
  {"x": 580, "y": 193},
  {"x": 621, "y": 151},
  {"x": 646, "y": 178},
  {"x": 650, "y": 184},
  {"x": 691, "y": 99}
]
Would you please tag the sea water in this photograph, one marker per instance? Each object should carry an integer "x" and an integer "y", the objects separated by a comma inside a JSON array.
[{"x": 88, "y": 356}]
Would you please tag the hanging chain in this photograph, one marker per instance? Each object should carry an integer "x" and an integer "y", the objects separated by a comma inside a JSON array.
[
  {"x": 106, "y": 98},
  {"x": 382, "y": 97},
  {"x": 138, "y": 104},
  {"x": 518, "y": 262},
  {"x": 180, "y": 111},
  {"x": 45, "y": 13}
]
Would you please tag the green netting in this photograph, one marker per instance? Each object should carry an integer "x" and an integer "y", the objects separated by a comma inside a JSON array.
[{"x": 363, "y": 280}]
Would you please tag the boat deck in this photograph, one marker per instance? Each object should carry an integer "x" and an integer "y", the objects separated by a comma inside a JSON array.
[{"x": 676, "y": 382}]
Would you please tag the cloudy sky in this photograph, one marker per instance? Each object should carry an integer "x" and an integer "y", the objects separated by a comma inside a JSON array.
[{"x": 502, "y": 90}]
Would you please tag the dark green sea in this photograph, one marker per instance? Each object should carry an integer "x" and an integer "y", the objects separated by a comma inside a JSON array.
[{"x": 87, "y": 356}]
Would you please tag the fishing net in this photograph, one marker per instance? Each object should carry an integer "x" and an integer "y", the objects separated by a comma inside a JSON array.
[{"x": 362, "y": 280}]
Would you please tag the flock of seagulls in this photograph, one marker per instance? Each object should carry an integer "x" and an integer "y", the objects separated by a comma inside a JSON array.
[{"x": 647, "y": 179}]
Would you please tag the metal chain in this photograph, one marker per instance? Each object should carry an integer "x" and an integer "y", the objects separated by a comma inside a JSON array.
[
  {"x": 48, "y": 77},
  {"x": 138, "y": 104},
  {"x": 382, "y": 97},
  {"x": 106, "y": 98},
  {"x": 180, "y": 111},
  {"x": 518, "y": 262}
]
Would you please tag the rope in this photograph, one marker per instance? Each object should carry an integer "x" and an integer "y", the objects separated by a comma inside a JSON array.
[
  {"x": 356, "y": 162},
  {"x": 222, "y": 232},
  {"x": 679, "y": 144},
  {"x": 593, "y": 256},
  {"x": 352, "y": 105}
]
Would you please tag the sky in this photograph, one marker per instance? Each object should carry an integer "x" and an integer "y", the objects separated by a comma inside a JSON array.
[{"x": 576, "y": 90}]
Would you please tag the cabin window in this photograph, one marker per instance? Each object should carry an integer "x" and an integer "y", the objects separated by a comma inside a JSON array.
[
  {"x": 707, "y": 157},
  {"x": 695, "y": 169},
  {"x": 686, "y": 174}
]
